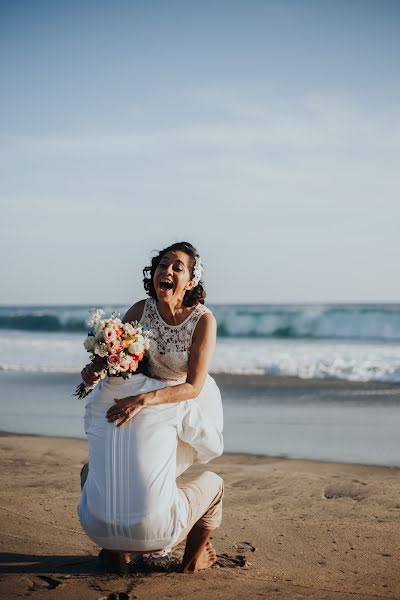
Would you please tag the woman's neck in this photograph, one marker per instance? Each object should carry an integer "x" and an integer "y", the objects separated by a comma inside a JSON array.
[{"x": 171, "y": 311}]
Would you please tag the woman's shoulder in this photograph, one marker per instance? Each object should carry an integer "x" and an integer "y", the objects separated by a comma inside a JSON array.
[
  {"x": 204, "y": 320},
  {"x": 202, "y": 309},
  {"x": 135, "y": 312}
]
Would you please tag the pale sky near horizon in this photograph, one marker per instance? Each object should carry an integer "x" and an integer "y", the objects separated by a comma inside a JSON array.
[{"x": 267, "y": 133}]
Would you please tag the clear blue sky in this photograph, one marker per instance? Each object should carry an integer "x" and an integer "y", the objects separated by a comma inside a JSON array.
[{"x": 266, "y": 133}]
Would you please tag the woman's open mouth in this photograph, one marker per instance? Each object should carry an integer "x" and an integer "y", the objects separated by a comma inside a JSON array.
[{"x": 165, "y": 286}]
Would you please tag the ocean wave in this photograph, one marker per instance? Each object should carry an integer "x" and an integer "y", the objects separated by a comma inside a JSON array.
[
  {"x": 45, "y": 319},
  {"x": 358, "y": 322},
  {"x": 350, "y": 322},
  {"x": 32, "y": 322},
  {"x": 348, "y": 360}
]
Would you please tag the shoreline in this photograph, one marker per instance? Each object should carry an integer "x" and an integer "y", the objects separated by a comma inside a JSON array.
[
  {"x": 312, "y": 419},
  {"x": 229, "y": 454},
  {"x": 226, "y": 378},
  {"x": 292, "y": 528}
]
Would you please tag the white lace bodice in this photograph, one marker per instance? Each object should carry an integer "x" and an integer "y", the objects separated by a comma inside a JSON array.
[{"x": 168, "y": 354}]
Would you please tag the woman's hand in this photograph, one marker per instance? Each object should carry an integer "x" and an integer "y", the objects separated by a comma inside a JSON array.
[
  {"x": 125, "y": 409},
  {"x": 89, "y": 375}
]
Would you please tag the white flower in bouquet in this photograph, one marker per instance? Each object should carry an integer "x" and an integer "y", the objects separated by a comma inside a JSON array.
[
  {"x": 89, "y": 343},
  {"x": 99, "y": 326},
  {"x": 124, "y": 361},
  {"x": 136, "y": 348},
  {"x": 100, "y": 349},
  {"x": 95, "y": 316},
  {"x": 100, "y": 335}
]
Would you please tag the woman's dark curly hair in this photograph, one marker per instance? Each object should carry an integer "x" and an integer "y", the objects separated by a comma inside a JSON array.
[{"x": 192, "y": 297}]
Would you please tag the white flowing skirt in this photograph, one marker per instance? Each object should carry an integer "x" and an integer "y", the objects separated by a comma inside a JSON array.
[{"x": 209, "y": 401}]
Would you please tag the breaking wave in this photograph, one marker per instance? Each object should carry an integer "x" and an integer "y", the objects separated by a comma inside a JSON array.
[{"x": 355, "y": 322}]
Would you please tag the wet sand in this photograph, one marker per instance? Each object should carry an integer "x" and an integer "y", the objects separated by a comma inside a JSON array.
[
  {"x": 291, "y": 529},
  {"x": 317, "y": 419}
]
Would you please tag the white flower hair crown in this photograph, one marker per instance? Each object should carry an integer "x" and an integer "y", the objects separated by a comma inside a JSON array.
[{"x": 197, "y": 271}]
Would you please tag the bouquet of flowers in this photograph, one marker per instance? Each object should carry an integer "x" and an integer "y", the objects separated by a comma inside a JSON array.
[{"x": 116, "y": 348}]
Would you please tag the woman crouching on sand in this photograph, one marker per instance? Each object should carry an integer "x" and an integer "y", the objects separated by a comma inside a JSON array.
[{"x": 179, "y": 357}]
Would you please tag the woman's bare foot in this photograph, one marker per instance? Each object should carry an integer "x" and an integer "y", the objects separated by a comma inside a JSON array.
[
  {"x": 199, "y": 552},
  {"x": 206, "y": 559}
]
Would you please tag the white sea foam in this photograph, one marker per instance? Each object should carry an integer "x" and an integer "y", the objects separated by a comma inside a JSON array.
[
  {"x": 44, "y": 352},
  {"x": 351, "y": 360}
]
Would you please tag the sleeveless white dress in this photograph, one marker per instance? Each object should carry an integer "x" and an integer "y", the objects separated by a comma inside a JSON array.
[{"x": 167, "y": 360}]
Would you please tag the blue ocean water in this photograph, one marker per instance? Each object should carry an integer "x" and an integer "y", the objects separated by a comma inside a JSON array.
[
  {"x": 357, "y": 342},
  {"x": 325, "y": 414}
]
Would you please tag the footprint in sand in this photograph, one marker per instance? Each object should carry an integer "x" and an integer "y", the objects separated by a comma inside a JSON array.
[
  {"x": 232, "y": 562},
  {"x": 48, "y": 583},
  {"x": 238, "y": 560},
  {"x": 349, "y": 491},
  {"x": 245, "y": 547}
]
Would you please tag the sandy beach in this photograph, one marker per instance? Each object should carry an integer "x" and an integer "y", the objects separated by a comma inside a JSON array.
[{"x": 291, "y": 529}]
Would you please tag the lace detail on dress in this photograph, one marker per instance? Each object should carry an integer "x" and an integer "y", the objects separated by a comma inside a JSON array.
[{"x": 168, "y": 354}]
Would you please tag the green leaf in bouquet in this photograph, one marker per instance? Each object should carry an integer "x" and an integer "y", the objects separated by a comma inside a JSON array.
[{"x": 82, "y": 391}]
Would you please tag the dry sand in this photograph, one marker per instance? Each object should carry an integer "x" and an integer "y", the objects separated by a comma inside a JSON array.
[{"x": 292, "y": 529}]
